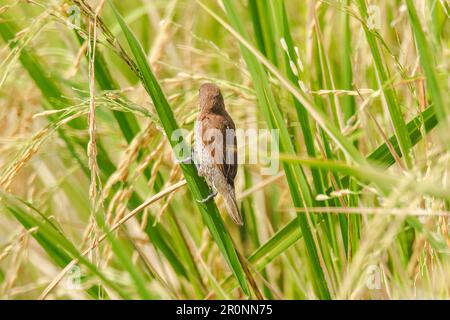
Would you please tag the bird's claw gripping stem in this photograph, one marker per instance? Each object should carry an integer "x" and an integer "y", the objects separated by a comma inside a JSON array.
[
  {"x": 187, "y": 160},
  {"x": 212, "y": 195}
]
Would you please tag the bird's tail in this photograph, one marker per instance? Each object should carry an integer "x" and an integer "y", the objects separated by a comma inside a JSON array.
[{"x": 231, "y": 205}]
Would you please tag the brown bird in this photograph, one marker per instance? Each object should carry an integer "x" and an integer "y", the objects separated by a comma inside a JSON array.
[{"x": 215, "y": 152}]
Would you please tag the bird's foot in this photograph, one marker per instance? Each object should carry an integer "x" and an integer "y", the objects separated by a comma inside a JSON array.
[
  {"x": 212, "y": 195},
  {"x": 187, "y": 160}
]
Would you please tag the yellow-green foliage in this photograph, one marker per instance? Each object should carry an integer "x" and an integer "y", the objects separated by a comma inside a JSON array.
[{"x": 94, "y": 205}]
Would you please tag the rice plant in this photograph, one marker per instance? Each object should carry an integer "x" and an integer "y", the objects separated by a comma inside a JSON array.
[{"x": 343, "y": 180}]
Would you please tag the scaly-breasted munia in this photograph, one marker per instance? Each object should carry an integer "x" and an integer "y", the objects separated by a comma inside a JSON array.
[{"x": 215, "y": 152}]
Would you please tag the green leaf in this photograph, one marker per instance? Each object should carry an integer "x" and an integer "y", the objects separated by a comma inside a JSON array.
[
  {"x": 427, "y": 62},
  {"x": 298, "y": 184},
  {"x": 388, "y": 91},
  {"x": 53, "y": 241},
  {"x": 290, "y": 233},
  {"x": 55, "y": 98}
]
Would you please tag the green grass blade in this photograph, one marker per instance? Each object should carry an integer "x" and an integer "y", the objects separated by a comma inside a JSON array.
[
  {"x": 55, "y": 98},
  {"x": 343, "y": 143},
  {"x": 385, "y": 182},
  {"x": 119, "y": 248},
  {"x": 298, "y": 184},
  {"x": 290, "y": 233},
  {"x": 260, "y": 12},
  {"x": 427, "y": 62},
  {"x": 53, "y": 241},
  {"x": 382, "y": 157},
  {"x": 254, "y": 13},
  {"x": 127, "y": 121},
  {"x": 45, "y": 83},
  {"x": 388, "y": 91},
  {"x": 349, "y": 106}
]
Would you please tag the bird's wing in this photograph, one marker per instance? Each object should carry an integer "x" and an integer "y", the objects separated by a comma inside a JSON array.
[
  {"x": 230, "y": 150},
  {"x": 225, "y": 144}
]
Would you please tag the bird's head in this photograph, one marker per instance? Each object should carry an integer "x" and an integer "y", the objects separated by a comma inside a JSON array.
[{"x": 210, "y": 98}]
